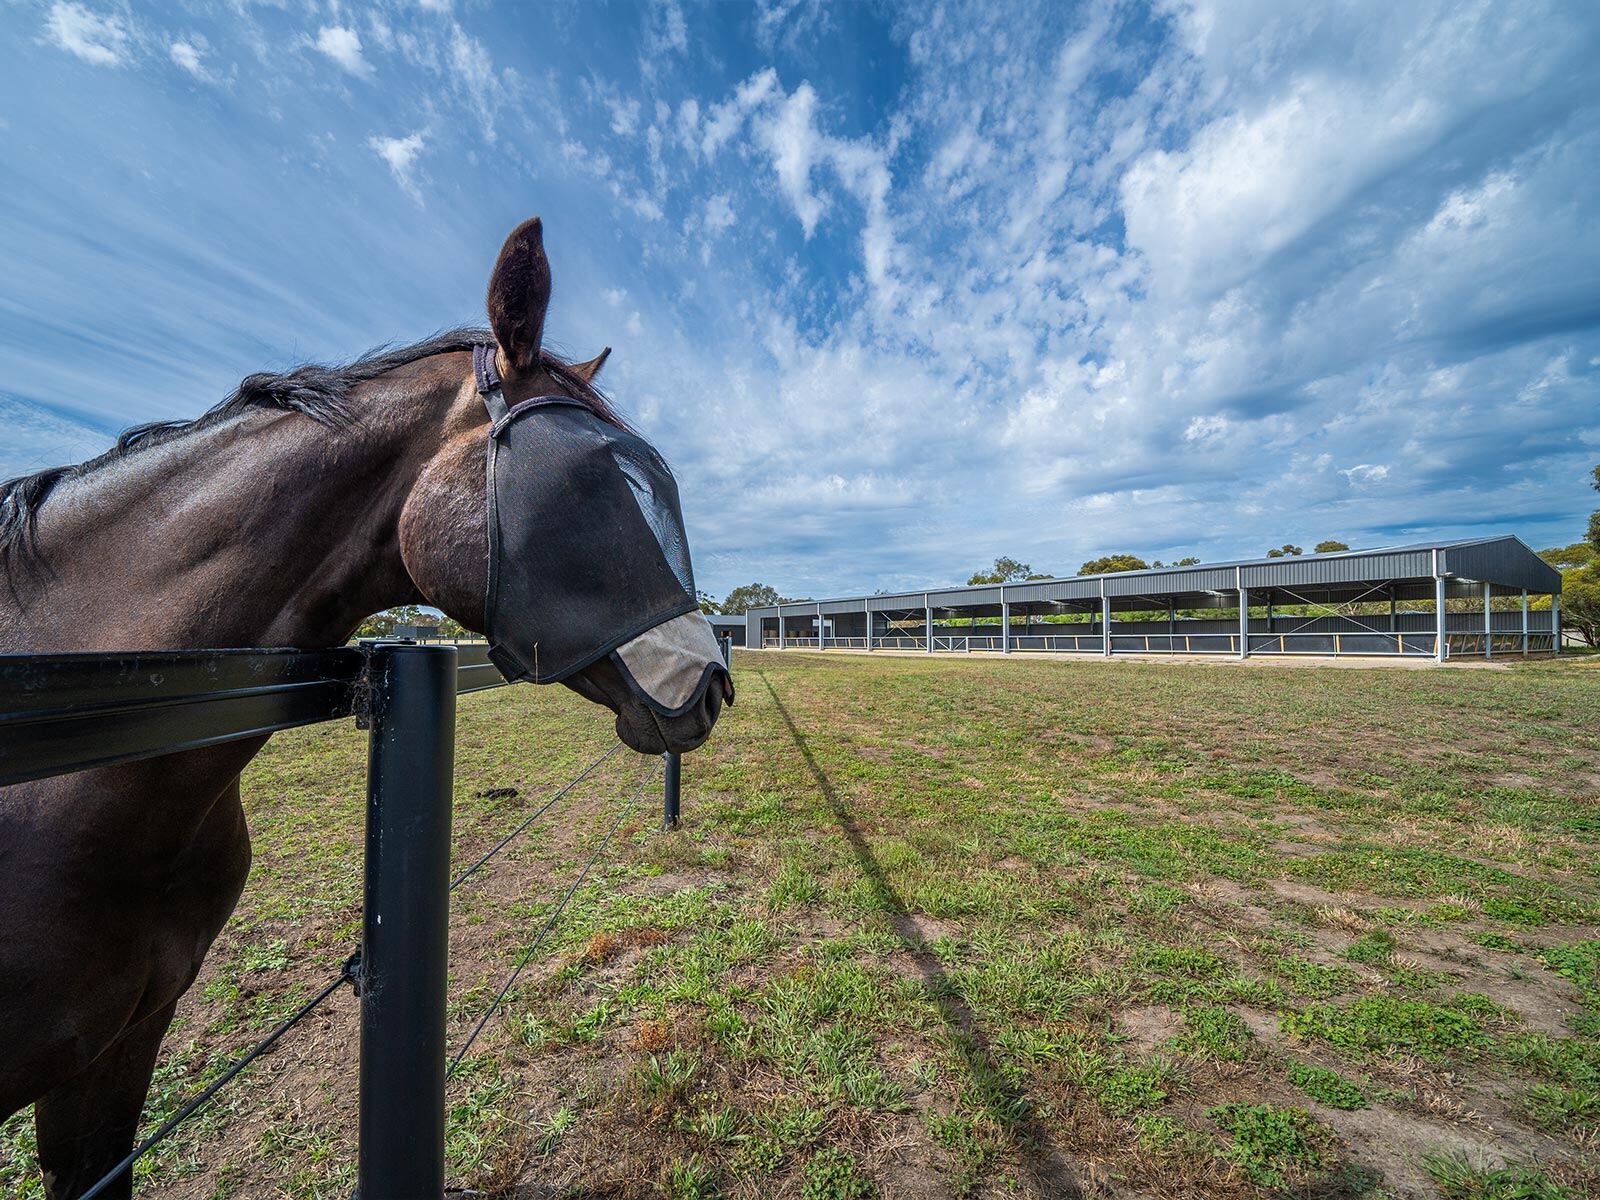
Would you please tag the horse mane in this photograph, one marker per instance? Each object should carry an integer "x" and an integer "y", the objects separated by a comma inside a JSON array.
[{"x": 319, "y": 392}]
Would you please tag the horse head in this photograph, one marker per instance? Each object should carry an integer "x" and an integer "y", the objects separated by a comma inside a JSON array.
[{"x": 544, "y": 522}]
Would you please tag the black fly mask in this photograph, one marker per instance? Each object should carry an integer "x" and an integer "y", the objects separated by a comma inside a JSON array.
[{"x": 587, "y": 553}]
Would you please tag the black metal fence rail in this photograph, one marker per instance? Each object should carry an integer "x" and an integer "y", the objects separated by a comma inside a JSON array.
[{"x": 70, "y": 712}]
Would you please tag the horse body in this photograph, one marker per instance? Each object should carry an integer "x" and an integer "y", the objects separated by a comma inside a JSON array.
[{"x": 264, "y": 527}]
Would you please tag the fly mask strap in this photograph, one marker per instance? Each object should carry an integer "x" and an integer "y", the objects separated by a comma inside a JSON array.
[{"x": 489, "y": 382}]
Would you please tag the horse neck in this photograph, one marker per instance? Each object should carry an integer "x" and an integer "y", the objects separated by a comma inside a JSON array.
[{"x": 264, "y": 529}]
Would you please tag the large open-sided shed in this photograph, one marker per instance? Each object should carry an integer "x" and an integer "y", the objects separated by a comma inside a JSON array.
[{"x": 1433, "y": 599}]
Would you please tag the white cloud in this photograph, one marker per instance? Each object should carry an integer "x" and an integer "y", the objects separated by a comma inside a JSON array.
[
  {"x": 643, "y": 206},
  {"x": 1366, "y": 473},
  {"x": 1205, "y": 428},
  {"x": 190, "y": 55},
  {"x": 624, "y": 115},
  {"x": 792, "y": 138},
  {"x": 343, "y": 45},
  {"x": 724, "y": 120},
  {"x": 101, "y": 40},
  {"x": 1302, "y": 128},
  {"x": 688, "y": 123},
  {"x": 471, "y": 74},
  {"x": 1063, "y": 280},
  {"x": 401, "y": 156},
  {"x": 789, "y": 22},
  {"x": 719, "y": 213},
  {"x": 666, "y": 31}
]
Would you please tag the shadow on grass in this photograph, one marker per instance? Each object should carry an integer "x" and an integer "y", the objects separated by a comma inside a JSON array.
[{"x": 1003, "y": 1102}]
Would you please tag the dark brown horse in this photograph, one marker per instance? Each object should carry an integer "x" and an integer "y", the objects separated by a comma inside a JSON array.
[{"x": 282, "y": 517}]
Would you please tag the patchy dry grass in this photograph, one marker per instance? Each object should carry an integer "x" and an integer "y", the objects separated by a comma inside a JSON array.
[{"x": 944, "y": 927}]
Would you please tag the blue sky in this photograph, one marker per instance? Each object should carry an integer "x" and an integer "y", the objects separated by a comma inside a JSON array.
[{"x": 896, "y": 290}]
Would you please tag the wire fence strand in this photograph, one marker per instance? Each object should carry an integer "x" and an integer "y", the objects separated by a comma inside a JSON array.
[
  {"x": 194, "y": 1106},
  {"x": 531, "y": 818},
  {"x": 350, "y": 968},
  {"x": 548, "y": 925}
]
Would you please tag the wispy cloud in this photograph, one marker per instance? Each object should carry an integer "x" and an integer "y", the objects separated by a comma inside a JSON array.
[
  {"x": 666, "y": 30},
  {"x": 38, "y": 437},
  {"x": 898, "y": 288},
  {"x": 190, "y": 54},
  {"x": 401, "y": 156},
  {"x": 343, "y": 45},
  {"x": 104, "y": 40}
]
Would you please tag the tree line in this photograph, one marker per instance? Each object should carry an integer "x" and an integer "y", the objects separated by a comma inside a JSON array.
[
  {"x": 437, "y": 625},
  {"x": 1009, "y": 570},
  {"x": 1579, "y": 565}
]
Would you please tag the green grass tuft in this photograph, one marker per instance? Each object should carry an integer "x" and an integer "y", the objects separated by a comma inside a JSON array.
[
  {"x": 1274, "y": 1146},
  {"x": 1459, "y": 1179},
  {"x": 1213, "y": 1033},
  {"x": 1384, "y": 1024},
  {"x": 833, "y": 1175},
  {"x": 1327, "y": 1087}
]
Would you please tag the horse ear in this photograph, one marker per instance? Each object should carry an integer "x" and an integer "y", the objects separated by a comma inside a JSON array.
[
  {"x": 588, "y": 370},
  {"x": 519, "y": 295}
]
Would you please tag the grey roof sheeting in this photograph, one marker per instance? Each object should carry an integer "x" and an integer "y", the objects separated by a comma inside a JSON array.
[{"x": 1506, "y": 562}]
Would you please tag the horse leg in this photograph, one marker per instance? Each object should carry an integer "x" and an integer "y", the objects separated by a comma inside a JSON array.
[{"x": 87, "y": 1124}]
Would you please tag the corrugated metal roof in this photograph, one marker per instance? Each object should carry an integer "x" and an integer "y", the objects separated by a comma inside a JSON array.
[{"x": 1504, "y": 561}]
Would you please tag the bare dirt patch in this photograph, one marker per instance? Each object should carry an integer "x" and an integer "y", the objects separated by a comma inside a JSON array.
[{"x": 1148, "y": 1026}]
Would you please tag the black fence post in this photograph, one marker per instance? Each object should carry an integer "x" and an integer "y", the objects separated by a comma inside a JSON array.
[
  {"x": 674, "y": 792},
  {"x": 405, "y": 941}
]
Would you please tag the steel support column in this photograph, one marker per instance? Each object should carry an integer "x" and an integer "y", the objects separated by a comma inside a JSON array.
[
  {"x": 1524, "y": 622},
  {"x": 672, "y": 797},
  {"x": 866, "y": 611},
  {"x": 1105, "y": 622},
  {"x": 1441, "y": 647},
  {"x": 1005, "y": 622},
  {"x": 405, "y": 938},
  {"x": 1244, "y": 622},
  {"x": 1488, "y": 621},
  {"x": 927, "y": 622},
  {"x": 819, "y": 625},
  {"x": 1555, "y": 623}
]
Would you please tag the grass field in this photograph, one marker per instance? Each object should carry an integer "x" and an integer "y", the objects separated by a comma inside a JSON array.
[{"x": 965, "y": 927}]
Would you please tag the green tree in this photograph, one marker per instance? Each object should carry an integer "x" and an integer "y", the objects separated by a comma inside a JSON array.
[
  {"x": 1579, "y": 554},
  {"x": 1005, "y": 570},
  {"x": 708, "y": 603},
  {"x": 1110, "y": 564},
  {"x": 1593, "y": 532},
  {"x": 751, "y": 595},
  {"x": 1182, "y": 562},
  {"x": 1329, "y": 547},
  {"x": 383, "y": 624},
  {"x": 1580, "y": 601},
  {"x": 1287, "y": 550}
]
